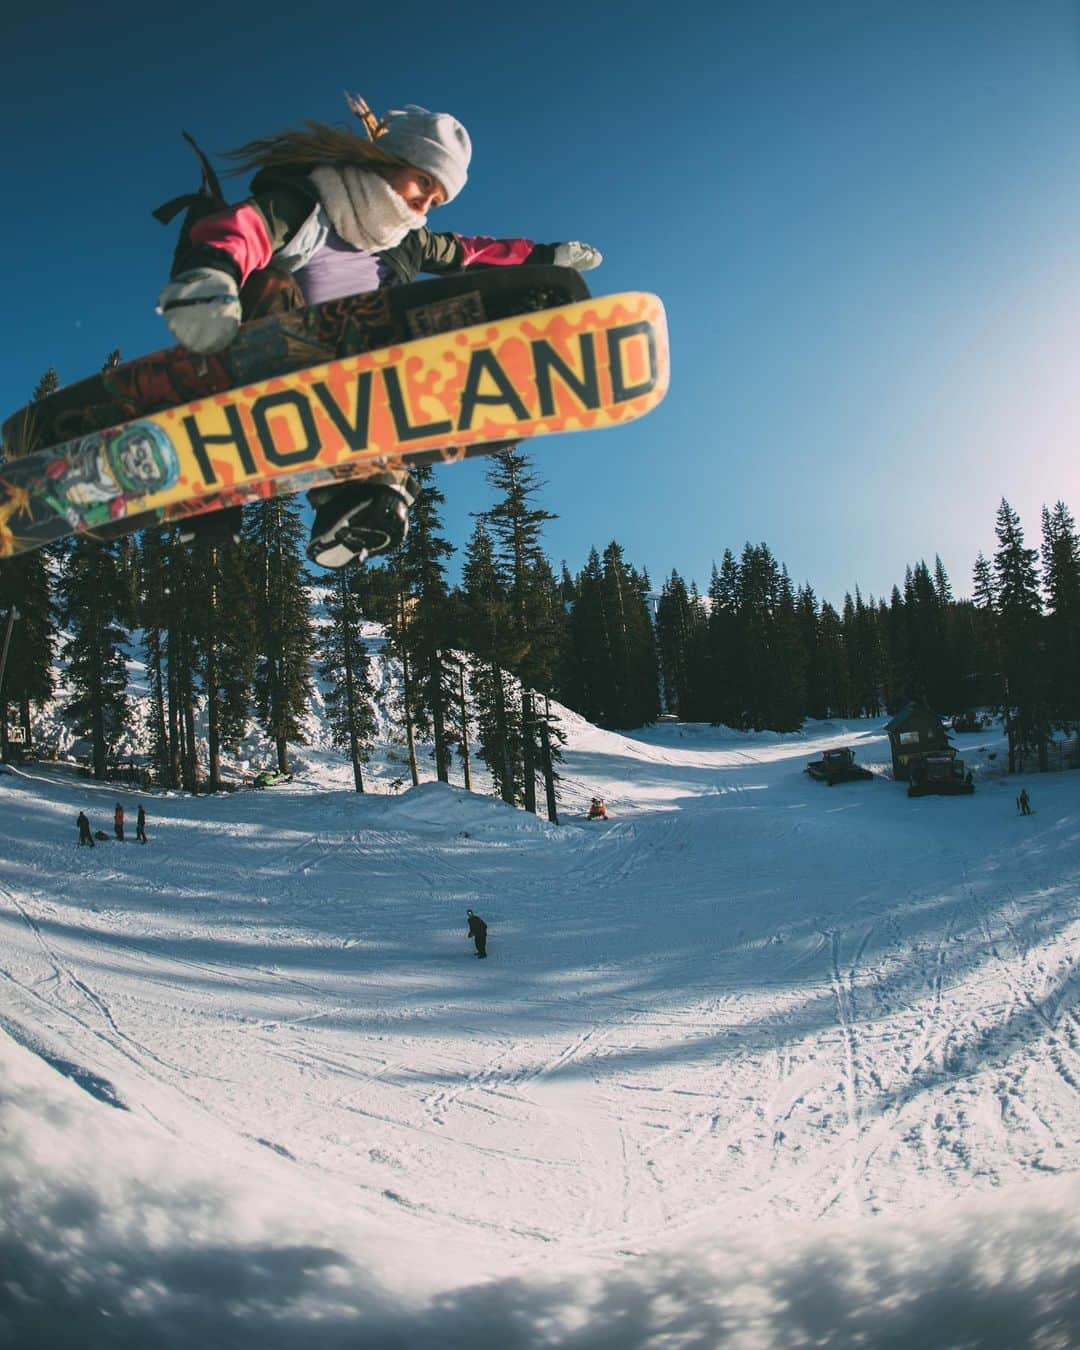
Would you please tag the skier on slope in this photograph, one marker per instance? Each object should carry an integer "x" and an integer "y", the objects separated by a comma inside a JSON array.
[
  {"x": 118, "y": 822},
  {"x": 478, "y": 932},
  {"x": 335, "y": 213},
  {"x": 85, "y": 837}
]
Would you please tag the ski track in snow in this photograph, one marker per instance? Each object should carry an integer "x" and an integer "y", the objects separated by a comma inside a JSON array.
[{"x": 745, "y": 993}]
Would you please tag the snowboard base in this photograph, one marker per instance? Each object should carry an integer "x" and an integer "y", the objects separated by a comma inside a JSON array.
[{"x": 448, "y": 396}]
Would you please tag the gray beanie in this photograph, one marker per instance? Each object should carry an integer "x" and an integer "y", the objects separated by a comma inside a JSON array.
[{"x": 435, "y": 142}]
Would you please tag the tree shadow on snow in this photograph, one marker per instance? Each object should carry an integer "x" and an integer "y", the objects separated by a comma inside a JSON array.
[{"x": 995, "y": 1287}]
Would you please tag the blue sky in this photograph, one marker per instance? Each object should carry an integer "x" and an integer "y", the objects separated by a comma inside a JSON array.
[{"x": 863, "y": 218}]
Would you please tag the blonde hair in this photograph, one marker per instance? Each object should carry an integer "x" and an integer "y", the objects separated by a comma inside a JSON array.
[{"x": 313, "y": 143}]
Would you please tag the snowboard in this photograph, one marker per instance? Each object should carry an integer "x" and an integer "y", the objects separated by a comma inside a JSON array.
[{"x": 456, "y": 389}]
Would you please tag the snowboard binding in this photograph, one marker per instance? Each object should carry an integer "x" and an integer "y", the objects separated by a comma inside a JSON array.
[{"x": 359, "y": 521}]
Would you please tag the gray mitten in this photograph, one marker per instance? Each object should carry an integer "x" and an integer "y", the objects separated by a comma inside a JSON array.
[
  {"x": 581, "y": 257},
  {"x": 202, "y": 309}
]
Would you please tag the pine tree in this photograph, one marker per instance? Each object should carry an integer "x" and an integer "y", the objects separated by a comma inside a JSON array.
[
  {"x": 1025, "y": 701},
  {"x": 985, "y": 590},
  {"x": 1061, "y": 582},
  {"x": 865, "y": 656},
  {"x": 563, "y": 597},
  {"x": 850, "y": 645},
  {"x": 674, "y": 636},
  {"x": 589, "y": 693},
  {"x": 174, "y": 592},
  {"x": 421, "y": 634},
  {"x": 725, "y": 669},
  {"x": 488, "y": 636},
  {"x": 922, "y": 612},
  {"x": 985, "y": 657},
  {"x": 516, "y": 526},
  {"x": 344, "y": 665},
  {"x": 942, "y": 585},
  {"x": 550, "y": 626},
  {"x": 399, "y": 603},
  {"x": 769, "y": 665},
  {"x": 646, "y": 687},
  {"x": 834, "y": 664},
  {"x": 700, "y": 668},
  {"x": 274, "y": 536},
  {"x": 226, "y": 644},
  {"x": 631, "y": 675},
  {"x": 892, "y": 623},
  {"x": 95, "y": 604},
  {"x": 151, "y": 546},
  {"x": 92, "y": 593},
  {"x": 806, "y": 608},
  {"x": 954, "y": 665},
  {"x": 789, "y": 690}
]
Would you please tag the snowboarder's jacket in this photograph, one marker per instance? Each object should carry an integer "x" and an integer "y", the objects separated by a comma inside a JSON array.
[
  {"x": 283, "y": 223},
  {"x": 477, "y": 927}
]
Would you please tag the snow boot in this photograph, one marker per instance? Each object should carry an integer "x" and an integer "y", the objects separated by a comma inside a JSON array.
[
  {"x": 356, "y": 521},
  {"x": 217, "y": 527}
]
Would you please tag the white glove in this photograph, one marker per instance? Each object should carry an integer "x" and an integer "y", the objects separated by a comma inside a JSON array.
[
  {"x": 202, "y": 309},
  {"x": 579, "y": 256}
]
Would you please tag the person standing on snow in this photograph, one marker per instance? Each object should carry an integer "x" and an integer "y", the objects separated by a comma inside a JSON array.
[
  {"x": 1023, "y": 803},
  {"x": 478, "y": 932},
  {"x": 85, "y": 834},
  {"x": 118, "y": 822},
  {"x": 140, "y": 825},
  {"x": 335, "y": 213}
]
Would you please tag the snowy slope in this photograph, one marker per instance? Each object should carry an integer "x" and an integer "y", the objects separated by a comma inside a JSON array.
[{"x": 748, "y": 1029}]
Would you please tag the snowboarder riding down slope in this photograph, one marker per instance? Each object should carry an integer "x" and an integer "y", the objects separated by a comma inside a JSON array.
[
  {"x": 597, "y": 809},
  {"x": 335, "y": 213},
  {"x": 478, "y": 932}
]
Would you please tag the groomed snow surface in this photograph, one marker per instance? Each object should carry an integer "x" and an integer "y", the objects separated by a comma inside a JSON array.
[{"x": 755, "y": 1063}]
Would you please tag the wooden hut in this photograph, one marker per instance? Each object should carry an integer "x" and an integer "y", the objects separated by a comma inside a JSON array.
[{"x": 915, "y": 730}]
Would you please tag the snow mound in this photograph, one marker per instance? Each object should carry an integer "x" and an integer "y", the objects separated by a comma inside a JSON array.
[{"x": 449, "y": 809}]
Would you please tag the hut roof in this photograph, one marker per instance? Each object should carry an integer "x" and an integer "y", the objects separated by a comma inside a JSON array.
[{"x": 909, "y": 711}]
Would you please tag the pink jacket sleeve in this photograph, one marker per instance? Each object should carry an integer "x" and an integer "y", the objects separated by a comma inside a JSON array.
[
  {"x": 239, "y": 231},
  {"x": 480, "y": 248}
]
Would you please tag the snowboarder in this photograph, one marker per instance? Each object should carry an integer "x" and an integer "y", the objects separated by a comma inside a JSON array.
[
  {"x": 1023, "y": 803},
  {"x": 478, "y": 932},
  {"x": 140, "y": 825},
  {"x": 118, "y": 822},
  {"x": 597, "y": 809},
  {"x": 85, "y": 835},
  {"x": 335, "y": 213}
]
